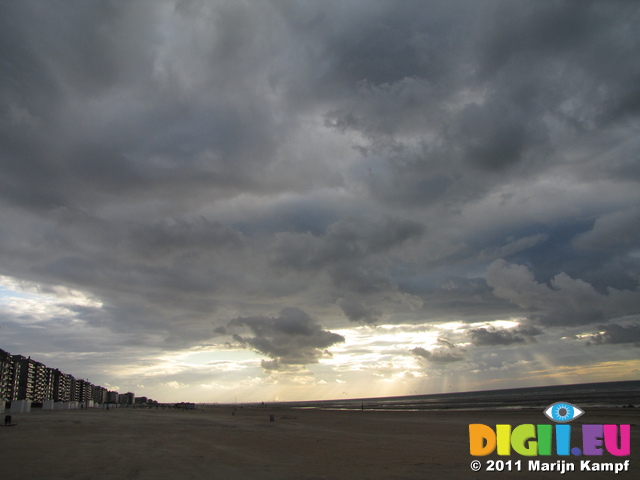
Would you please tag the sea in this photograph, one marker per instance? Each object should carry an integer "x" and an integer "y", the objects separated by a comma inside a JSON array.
[{"x": 606, "y": 394}]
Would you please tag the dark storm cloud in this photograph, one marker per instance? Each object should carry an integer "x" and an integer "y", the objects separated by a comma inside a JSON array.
[
  {"x": 293, "y": 338},
  {"x": 131, "y": 109},
  {"x": 593, "y": 41},
  {"x": 497, "y": 107},
  {"x": 179, "y": 159}
]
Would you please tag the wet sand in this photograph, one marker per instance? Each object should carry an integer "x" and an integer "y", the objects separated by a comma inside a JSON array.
[{"x": 211, "y": 443}]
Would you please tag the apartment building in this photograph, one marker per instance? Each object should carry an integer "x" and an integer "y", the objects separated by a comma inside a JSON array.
[
  {"x": 26, "y": 377},
  {"x": 43, "y": 385},
  {"x": 112, "y": 397},
  {"x": 126, "y": 398},
  {"x": 61, "y": 386},
  {"x": 83, "y": 391},
  {"x": 100, "y": 394},
  {"x": 6, "y": 375},
  {"x": 13, "y": 379},
  {"x": 22, "y": 378}
]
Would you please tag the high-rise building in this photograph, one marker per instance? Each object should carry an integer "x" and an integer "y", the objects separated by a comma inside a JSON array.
[
  {"x": 61, "y": 386},
  {"x": 131, "y": 398},
  {"x": 100, "y": 394},
  {"x": 43, "y": 383},
  {"x": 126, "y": 398},
  {"x": 6, "y": 375},
  {"x": 26, "y": 377},
  {"x": 84, "y": 391},
  {"x": 22, "y": 378},
  {"x": 112, "y": 397}
]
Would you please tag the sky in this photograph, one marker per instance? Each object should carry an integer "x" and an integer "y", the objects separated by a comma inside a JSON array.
[{"x": 220, "y": 201}]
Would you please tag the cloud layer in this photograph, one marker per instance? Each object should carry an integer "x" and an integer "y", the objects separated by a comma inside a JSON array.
[{"x": 317, "y": 166}]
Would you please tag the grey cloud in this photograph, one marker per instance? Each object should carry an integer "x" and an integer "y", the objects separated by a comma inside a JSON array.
[
  {"x": 350, "y": 239},
  {"x": 353, "y": 253},
  {"x": 446, "y": 352},
  {"x": 292, "y": 338},
  {"x": 357, "y": 310},
  {"x": 362, "y": 278},
  {"x": 388, "y": 44},
  {"x": 129, "y": 123},
  {"x": 617, "y": 231},
  {"x": 181, "y": 236},
  {"x": 614, "y": 334},
  {"x": 567, "y": 301},
  {"x": 515, "y": 245},
  {"x": 496, "y": 135},
  {"x": 579, "y": 34},
  {"x": 500, "y": 336},
  {"x": 438, "y": 355},
  {"x": 221, "y": 137},
  {"x": 524, "y": 88}
]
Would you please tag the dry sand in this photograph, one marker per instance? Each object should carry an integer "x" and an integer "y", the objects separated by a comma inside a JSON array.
[{"x": 211, "y": 443}]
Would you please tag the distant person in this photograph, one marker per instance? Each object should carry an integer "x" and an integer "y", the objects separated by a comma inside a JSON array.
[{"x": 7, "y": 420}]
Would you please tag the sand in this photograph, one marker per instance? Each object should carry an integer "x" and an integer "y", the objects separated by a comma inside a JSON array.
[{"x": 211, "y": 443}]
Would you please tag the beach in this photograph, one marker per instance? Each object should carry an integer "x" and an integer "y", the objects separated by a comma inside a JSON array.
[{"x": 220, "y": 442}]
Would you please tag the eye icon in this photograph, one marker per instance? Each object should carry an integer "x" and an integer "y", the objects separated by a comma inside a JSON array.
[{"x": 563, "y": 412}]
